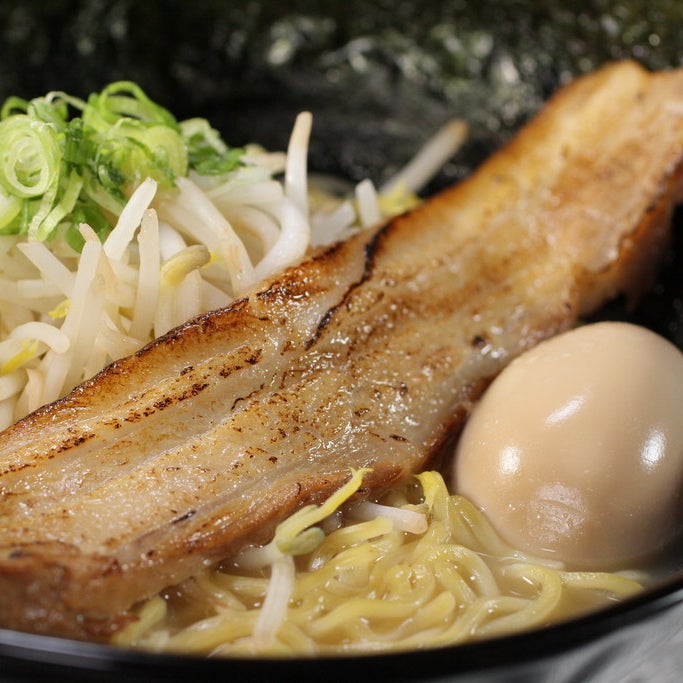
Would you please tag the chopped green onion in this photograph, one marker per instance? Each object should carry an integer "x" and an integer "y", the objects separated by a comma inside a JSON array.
[
  {"x": 30, "y": 156},
  {"x": 9, "y": 208},
  {"x": 207, "y": 153},
  {"x": 61, "y": 170}
]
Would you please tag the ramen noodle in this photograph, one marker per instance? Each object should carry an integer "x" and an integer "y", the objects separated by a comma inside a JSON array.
[{"x": 371, "y": 585}]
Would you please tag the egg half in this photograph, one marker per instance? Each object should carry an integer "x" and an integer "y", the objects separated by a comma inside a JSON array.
[{"x": 575, "y": 452}]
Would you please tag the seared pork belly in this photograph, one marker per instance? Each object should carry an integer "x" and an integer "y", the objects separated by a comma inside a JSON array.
[{"x": 369, "y": 354}]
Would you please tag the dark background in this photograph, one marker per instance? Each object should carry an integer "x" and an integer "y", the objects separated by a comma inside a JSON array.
[{"x": 378, "y": 76}]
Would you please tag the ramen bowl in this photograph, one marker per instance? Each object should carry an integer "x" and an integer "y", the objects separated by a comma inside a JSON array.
[{"x": 379, "y": 80}]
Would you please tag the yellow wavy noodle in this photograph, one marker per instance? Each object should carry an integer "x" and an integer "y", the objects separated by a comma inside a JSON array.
[{"x": 369, "y": 587}]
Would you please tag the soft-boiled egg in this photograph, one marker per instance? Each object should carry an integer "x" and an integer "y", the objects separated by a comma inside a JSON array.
[{"x": 575, "y": 451}]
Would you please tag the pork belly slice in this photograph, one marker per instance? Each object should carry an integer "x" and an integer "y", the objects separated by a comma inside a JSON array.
[{"x": 369, "y": 354}]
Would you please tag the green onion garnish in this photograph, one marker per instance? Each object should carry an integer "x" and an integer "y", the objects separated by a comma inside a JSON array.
[{"x": 62, "y": 169}]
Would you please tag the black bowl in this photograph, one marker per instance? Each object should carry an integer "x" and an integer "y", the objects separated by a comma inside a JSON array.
[
  {"x": 606, "y": 646},
  {"x": 379, "y": 78}
]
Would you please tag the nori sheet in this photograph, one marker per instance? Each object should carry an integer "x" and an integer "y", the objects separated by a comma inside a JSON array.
[{"x": 378, "y": 76}]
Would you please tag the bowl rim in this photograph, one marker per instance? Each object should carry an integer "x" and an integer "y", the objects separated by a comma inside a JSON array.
[{"x": 26, "y": 652}]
